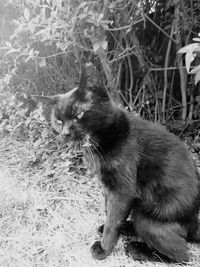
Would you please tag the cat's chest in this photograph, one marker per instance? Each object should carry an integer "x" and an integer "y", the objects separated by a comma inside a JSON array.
[{"x": 91, "y": 161}]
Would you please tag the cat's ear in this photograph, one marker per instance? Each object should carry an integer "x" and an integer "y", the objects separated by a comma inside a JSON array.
[
  {"x": 83, "y": 80},
  {"x": 89, "y": 76},
  {"x": 48, "y": 100}
]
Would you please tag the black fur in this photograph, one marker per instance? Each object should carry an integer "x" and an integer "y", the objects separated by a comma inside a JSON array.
[{"x": 146, "y": 172}]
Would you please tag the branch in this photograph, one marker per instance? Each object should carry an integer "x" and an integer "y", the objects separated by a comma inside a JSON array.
[
  {"x": 131, "y": 81},
  {"x": 127, "y": 26},
  {"x": 182, "y": 71},
  {"x": 169, "y": 68},
  {"x": 165, "y": 73},
  {"x": 158, "y": 27}
]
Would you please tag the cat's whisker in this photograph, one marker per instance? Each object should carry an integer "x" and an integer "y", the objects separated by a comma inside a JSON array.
[
  {"x": 95, "y": 148},
  {"x": 87, "y": 144},
  {"x": 92, "y": 159},
  {"x": 98, "y": 152},
  {"x": 94, "y": 143}
]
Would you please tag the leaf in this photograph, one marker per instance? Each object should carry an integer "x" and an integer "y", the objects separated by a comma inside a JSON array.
[
  {"x": 32, "y": 27},
  {"x": 112, "y": 5},
  {"x": 105, "y": 26},
  {"x": 41, "y": 32},
  {"x": 37, "y": 143},
  {"x": 96, "y": 46},
  {"x": 100, "y": 17},
  {"x": 189, "y": 57},
  {"x": 188, "y": 48},
  {"x": 16, "y": 22},
  {"x": 197, "y": 49},
  {"x": 197, "y": 77},
  {"x": 7, "y": 78},
  {"x": 104, "y": 45},
  {"x": 9, "y": 44},
  {"x": 41, "y": 62},
  {"x": 28, "y": 58},
  {"x": 194, "y": 70},
  {"x": 13, "y": 50},
  {"x": 82, "y": 5},
  {"x": 196, "y": 39},
  {"x": 26, "y": 14},
  {"x": 44, "y": 134},
  {"x": 31, "y": 52},
  {"x": 58, "y": 3}
]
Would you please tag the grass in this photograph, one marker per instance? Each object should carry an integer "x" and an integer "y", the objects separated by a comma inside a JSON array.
[{"x": 49, "y": 216}]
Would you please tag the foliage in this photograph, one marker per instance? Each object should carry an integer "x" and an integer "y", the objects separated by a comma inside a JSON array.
[
  {"x": 134, "y": 45},
  {"x": 191, "y": 51},
  {"x": 15, "y": 122},
  {"x": 46, "y": 145},
  {"x": 43, "y": 43}
]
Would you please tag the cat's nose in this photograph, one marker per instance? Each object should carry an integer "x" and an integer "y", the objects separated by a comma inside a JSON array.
[{"x": 65, "y": 130}]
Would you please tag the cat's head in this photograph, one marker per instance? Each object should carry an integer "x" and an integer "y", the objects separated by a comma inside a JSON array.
[{"x": 81, "y": 111}]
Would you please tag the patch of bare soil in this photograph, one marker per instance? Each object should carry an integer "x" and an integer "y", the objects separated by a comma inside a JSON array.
[{"x": 49, "y": 214}]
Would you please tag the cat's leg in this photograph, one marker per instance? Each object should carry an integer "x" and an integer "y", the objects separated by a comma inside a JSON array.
[
  {"x": 168, "y": 238},
  {"x": 193, "y": 229},
  {"x": 127, "y": 229},
  {"x": 117, "y": 211},
  {"x": 101, "y": 227},
  {"x": 100, "y": 230}
]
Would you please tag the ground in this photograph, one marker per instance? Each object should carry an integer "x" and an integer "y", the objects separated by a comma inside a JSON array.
[{"x": 49, "y": 217}]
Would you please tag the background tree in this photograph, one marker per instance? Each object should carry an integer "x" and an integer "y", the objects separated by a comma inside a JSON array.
[{"x": 133, "y": 43}]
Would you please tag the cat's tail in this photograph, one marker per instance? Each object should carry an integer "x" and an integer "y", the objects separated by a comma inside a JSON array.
[
  {"x": 168, "y": 238},
  {"x": 193, "y": 229},
  {"x": 194, "y": 225}
]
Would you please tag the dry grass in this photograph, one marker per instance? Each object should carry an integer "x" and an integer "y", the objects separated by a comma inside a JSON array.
[{"x": 49, "y": 217}]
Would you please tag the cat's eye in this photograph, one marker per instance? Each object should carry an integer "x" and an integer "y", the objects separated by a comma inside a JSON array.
[
  {"x": 80, "y": 115},
  {"x": 59, "y": 122}
]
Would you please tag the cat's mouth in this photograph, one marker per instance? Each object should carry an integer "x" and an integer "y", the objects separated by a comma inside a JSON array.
[
  {"x": 86, "y": 141},
  {"x": 76, "y": 140},
  {"x": 83, "y": 143}
]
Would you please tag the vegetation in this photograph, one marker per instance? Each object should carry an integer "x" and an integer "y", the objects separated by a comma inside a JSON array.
[
  {"x": 133, "y": 43},
  {"x": 45, "y": 219}
]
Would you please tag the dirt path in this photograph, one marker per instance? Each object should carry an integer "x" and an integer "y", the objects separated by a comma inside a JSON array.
[{"x": 49, "y": 216}]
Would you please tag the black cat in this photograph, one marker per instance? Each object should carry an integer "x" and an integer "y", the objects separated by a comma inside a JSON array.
[{"x": 146, "y": 173}]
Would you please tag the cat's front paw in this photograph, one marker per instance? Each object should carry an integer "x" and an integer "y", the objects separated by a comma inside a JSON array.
[
  {"x": 100, "y": 230},
  {"x": 97, "y": 251}
]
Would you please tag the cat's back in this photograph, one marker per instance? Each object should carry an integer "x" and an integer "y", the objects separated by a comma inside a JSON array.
[
  {"x": 157, "y": 149},
  {"x": 166, "y": 171},
  {"x": 163, "y": 156},
  {"x": 153, "y": 137}
]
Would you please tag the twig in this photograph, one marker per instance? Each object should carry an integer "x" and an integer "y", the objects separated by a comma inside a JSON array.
[
  {"x": 131, "y": 81},
  {"x": 125, "y": 101},
  {"x": 126, "y": 26},
  {"x": 157, "y": 118},
  {"x": 118, "y": 75},
  {"x": 118, "y": 82},
  {"x": 118, "y": 58},
  {"x": 142, "y": 102},
  {"x": 138, "y": 93},
  {"x": 191, "y": 106},
  {"x": 169, "y": 68},
  {"x": 165, "y": 73},
  {"x": 158, "y": 27},
  {"x": 185, "y": 128},
  {"x": 182, "y": 71}
]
